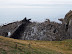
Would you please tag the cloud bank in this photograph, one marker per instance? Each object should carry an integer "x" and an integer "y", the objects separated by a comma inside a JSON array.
[{"x": 31, "y": 3}]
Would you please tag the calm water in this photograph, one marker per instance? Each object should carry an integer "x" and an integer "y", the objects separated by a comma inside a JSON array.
[{"x": 39, "y": 14}]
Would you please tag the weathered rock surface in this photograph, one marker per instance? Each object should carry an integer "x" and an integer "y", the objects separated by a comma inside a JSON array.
[
  {"x": 40, "y": 31},
  {"x": 68, "y": 24}
]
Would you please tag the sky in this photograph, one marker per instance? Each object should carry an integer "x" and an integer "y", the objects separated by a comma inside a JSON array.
[
  {"x": 37, "y": 10},
  {"x": 30, "y": 3}
]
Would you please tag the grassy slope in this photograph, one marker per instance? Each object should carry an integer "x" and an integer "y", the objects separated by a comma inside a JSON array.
[{"x": 13, "y": 46}]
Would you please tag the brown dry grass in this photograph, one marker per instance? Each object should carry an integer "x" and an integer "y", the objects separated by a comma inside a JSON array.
[{"x": 61, "y": 47}]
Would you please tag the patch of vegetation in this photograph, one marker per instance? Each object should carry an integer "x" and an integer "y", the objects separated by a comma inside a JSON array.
[
  {"x": 2, "y": 51},
  {"x": 14, "y": 46}
]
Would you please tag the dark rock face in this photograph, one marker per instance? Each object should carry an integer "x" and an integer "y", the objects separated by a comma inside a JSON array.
[
  {"x": 47, "y": 30},
  {"x": 18, "y": 32},
  {"x": 68, "y": 21}
]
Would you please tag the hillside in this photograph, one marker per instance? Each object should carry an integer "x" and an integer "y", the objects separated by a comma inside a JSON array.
[{"x": 14, "y": 46}]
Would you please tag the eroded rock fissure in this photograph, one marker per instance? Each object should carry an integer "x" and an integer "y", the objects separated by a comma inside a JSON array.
[{"x": 19, "y": 31}]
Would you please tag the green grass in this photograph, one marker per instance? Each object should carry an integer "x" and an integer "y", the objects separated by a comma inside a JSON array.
[{"x": 14, "y": 46}]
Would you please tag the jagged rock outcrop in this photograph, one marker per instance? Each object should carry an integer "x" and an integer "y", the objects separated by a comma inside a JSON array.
[
  {"x": 41, "y": 31},
  {"x": 68, "y": 24},
  {"x": 20, "y": 29},
  {"x": 11, "y": 27},
  {"x": 47, "y": 30}
]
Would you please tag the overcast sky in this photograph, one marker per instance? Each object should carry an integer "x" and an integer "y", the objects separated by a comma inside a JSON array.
[
  {"x": 30, "y": 3},
  {"x": 37, "y": 10}
]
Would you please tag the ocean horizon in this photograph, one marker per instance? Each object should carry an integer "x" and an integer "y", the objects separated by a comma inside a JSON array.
[{"x": 37, "y": 13}]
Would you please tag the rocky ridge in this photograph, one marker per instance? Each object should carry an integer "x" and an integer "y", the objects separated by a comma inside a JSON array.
[{"x": 41, "y": 31}]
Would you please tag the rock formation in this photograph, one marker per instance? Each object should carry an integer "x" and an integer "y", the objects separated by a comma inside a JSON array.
[
  {"x": 20, "y": 29},
  {"x": 67, "y": 22},
  {"x": 47, "y": 30}
]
